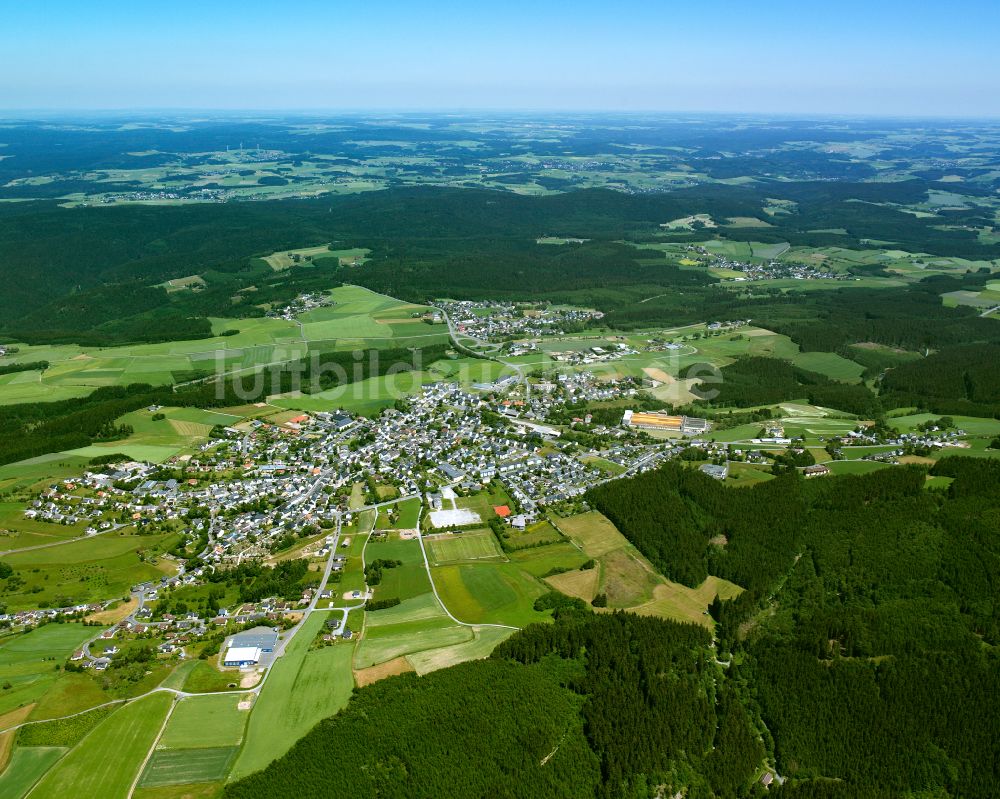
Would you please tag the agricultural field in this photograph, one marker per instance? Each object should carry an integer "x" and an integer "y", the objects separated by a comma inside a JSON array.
[
  {"x": 358, "y": 318},
  {"x": 484, "y": 641},
  {"x": 205, "y": 722},
  {"x": 408, "y": 514},
  {"x": 88, "y": 570},
  {"x": 628, "y": 579},
  {"x": 27, "y": 661},
  {"x": 87, "y": 770},
  {"x": 304, "y": 686},
  {"x": 361, "y": 318},
  {"x": 488, "y": 592},
  {"x": 185, "y": 766},
  {"x": 469, "y": 545},
  {"x": 404, "y": 581},
  {"x": 415, "y": 625},
  {"x": 27, "y": 766}
]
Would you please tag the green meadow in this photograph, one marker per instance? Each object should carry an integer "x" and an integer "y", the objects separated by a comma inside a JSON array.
[
  {"x": 28, "y": 661},
  {"x": 303, "y": 687},
  {"x": 205, "y": 722},
  {"x": 27, "y": 765},
  {"x": 88, "y": 770},
  {"x": 93, "y": 569}
]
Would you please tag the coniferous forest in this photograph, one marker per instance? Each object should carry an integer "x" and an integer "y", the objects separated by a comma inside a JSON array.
[{"x": 860, "y": 661}]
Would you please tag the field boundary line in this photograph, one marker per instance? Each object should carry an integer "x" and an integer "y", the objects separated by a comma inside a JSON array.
[
  {"x": 427, "y": 566},
  {"x": 152, "y": 747}
]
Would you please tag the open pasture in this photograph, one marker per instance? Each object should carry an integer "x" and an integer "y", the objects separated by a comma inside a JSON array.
[
  {"x": 87, "y": 770},
  {"x": 205, "y": 722},
  {"x": 484, "y": 641},
  {"x": 629, "y": 580},
  {"x": 304, "y": 686},
  {"x": 405, "y": 581},
  {"x": 489, "y": 593},
  {"x": 27, "y": 765},
  {"x": 287, "y": 258},
  {"x": 27, "y": 661},
  {"x": 88, "y": 570},
  {"x": 381, "y": 644}
]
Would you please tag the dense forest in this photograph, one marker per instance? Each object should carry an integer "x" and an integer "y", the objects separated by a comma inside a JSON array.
[
  {"x": 766, "y": 381},
  {"x": 95, "y": 275},
  {"x": 883, "y": 620},
  {"x": 961, "y": 380},
  {"x": 593, "y": 705}
]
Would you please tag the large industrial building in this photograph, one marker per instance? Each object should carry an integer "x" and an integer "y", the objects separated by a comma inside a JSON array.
[
  {"x": 246, "y": 648},
  {"x": 242, "y": 656},
  {"x": 263, "y": 638},
  {"x": 664, "y": 422}
]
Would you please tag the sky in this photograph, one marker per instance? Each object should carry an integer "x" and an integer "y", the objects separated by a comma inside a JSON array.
[{"x": 879, "y": 57}]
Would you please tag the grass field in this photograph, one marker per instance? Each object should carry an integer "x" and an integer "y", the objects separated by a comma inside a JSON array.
[
  {"x": 629, "y": 580},
  {"x": 409, "y": 513},
  {"x": 27, "y": 661},
  {"x": 203, "y": 677},
  {"x": 415, "y": 625},
  {"x": 408, "y": 580},
  {"x": 489, "y": 593},
  {"x": 205, "y": 722},
  {"x": 88, "y": 770},
  {"x": 26, "y": 767},
  {"x": 830, "y": 364},
  {"x": 484, "y": 641},
  {"x": 467, "y": 545},
  {"x": 303, "y": 687},
  {"x": 359, "y": 318},
  {"x": 88, "y": 570},
  {"x": 382, "y": 644},
  {"x": 201, "y": 790},
  {"x": 182, "y": 766}
]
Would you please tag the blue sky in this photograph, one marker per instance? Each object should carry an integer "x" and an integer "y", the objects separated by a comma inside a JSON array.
[{"x": 768, "y": 56}]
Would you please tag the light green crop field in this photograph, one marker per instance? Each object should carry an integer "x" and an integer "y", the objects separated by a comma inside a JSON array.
[
  {"x": 88, "y": 570},
  {"x": 205, "y": 722},
  {"x": 366, "y": 397},
  {"x": 359, "y": 319},
  {"x": 416, "y": 625},
  {"x": 409, "y": 514},
  {"x": 484, "y": 641},
  {"x": 418, "y": 608},
  {"x": 89, "y": 771},
  {"x": 381, "y": 644},
  {"x": 973, "y": 425},
  {"x": 26, "y": 767},
  {"x": 27, "y": 661},
  {"x": 186, "y": 766},
  {"x": 830, "y": 364},
  {"x": 855, "y": 467},
  {"x": 303, "y": 687},
  {"x": 494, "y": 593},
  {"x": 408, "y": 580},
  {"x": 467, "y": 545}
]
